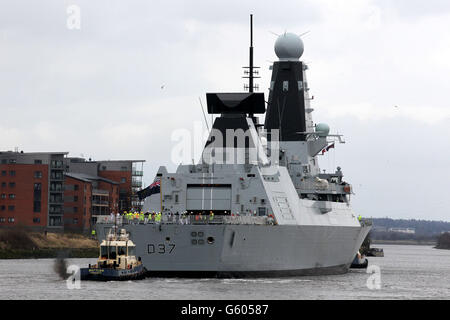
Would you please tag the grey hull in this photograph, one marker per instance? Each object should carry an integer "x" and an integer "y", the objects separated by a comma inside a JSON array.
[
  {"x": 244, "y": 250},
  {"x": 250, "y": 274}
]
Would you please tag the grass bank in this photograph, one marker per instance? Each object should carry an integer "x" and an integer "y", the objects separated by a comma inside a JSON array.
[{"x": 21, "y": 244}]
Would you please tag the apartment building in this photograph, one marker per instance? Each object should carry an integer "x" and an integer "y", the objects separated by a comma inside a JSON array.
[{"x": 31, "y": 189}]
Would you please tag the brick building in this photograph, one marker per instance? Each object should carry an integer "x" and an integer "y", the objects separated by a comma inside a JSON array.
[
  {"x": 49, "y": 191},
  {"x": 31, "y": 189},
  {"x": 86, "y": 196},
  {"x": 128, "y": 173}
]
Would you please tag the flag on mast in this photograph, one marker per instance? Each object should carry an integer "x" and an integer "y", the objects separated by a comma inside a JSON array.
[
  {"x": 331, "y": 146},
  {"x": 155, "y": 187}
]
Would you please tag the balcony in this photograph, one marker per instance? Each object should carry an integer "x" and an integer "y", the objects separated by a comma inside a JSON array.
[
  {"x": 56, "y": 201},
  {"x": 100, "y": 203},
  {"x": 56, "y": 188},
  {"x": 137, "y": 173},
  {"x": 136, "y": 184},
  {"x": 98, "y": 192},
  {"x": 56, "y": 176},
  {"x": 56, "y": 164}
]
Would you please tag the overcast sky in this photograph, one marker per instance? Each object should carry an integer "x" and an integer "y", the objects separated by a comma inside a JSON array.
[{"x": 379, "y": 73}]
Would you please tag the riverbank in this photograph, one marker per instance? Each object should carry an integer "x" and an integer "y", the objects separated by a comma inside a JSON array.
[
  {"x": 405, "y": 242},
  {"x": 21, "y": 244}
]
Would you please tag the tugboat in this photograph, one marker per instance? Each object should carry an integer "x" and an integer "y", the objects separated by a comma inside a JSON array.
[{"x": 117, "y": 260}]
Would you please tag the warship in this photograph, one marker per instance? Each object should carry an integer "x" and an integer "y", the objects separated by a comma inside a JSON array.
[{"x": 256, "y": 204}]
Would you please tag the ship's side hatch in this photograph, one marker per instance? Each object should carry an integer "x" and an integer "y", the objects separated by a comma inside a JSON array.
[{"x": 215, "y": 198}]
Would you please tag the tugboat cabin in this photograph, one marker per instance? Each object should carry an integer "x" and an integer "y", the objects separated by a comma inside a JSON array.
[{"x": 118, "y": 253}]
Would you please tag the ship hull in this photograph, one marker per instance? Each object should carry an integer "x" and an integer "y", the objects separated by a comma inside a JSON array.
[{"x": 244, "y": 250}]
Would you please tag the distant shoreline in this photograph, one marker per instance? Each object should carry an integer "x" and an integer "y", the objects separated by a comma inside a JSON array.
[{"x": 405, "y": 242}]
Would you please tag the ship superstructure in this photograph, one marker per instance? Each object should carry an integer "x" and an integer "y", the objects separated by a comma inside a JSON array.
[{"x": 256, "y": 204}]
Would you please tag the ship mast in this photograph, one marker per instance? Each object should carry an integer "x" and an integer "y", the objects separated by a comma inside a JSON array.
[
  {"x": 251, "y": 72},
  {"x": 250, "y": 78}
]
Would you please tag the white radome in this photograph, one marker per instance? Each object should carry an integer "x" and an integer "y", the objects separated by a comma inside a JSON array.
[{"x": 289, "y": 47}]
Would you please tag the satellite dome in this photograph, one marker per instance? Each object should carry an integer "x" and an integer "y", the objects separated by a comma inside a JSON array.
[
  {"x": 322, "y": 129},
  {"x": 288, "y": 47}
]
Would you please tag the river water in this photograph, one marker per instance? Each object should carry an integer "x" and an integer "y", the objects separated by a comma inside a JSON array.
[{"x": 406, "y": 272}]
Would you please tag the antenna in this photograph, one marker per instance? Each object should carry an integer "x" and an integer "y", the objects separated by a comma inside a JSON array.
[
  {"x": 251, "y": 72},
  {"x": 203, "y": 111},
  {"x": 251, "y": 69},
  {"x": 250, "y": 79},
  {"x": 304, "y": 33}
]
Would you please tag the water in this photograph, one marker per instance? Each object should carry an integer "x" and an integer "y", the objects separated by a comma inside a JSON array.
[{"x": 407, "y": 272}]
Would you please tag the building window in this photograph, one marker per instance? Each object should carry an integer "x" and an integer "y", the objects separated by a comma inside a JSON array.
[
  {"x": 75, "y": 187},
  {"x": 12, "y": 173},
  {"x": 3, "y": 196},
  {"x": 36, "y": 206},
  {"x": 56, "y": 164},
  {"x": 12, "y": 196},
  {"x": 37, "y": 192},
  {"x": 55, "y": 187},
  {"x": 3, "y": 161},
  {"x": 54, "y": 221},
  {"x": 3, "y": 172},
  {"x": 2, "y": 219},
  {"x": 37, "y": 161},
  {"x": 75, "y": 221},
  {"x": 12, "y": 161},
  {"x": 2, "y": 208},
  {"x": 56, "y": 175},
  {"x": 3, "y": 184},
  {"x": 123, "y": 180},
  {"x": 12, "y": 184},
  {"x": 38, "y": 174},
  {"x": 11, "y": 208},
  {"x": 36, "y": 220},
  {"x": 11, "y": 220},
  {"x": 75, "y": 198},
  {"x": 75, "y": 209}
]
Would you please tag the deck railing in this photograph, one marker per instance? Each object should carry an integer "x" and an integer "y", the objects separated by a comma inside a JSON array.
[{"x": 192, "y": 220}]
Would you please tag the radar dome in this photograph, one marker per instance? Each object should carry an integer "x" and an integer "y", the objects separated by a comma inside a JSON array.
[
  {"x": 322, "y": 129},
  {"x": 289, "y": 46}
]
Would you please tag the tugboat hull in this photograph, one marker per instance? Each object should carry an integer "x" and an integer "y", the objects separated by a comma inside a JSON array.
[{"x": 105, "y": 274}]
